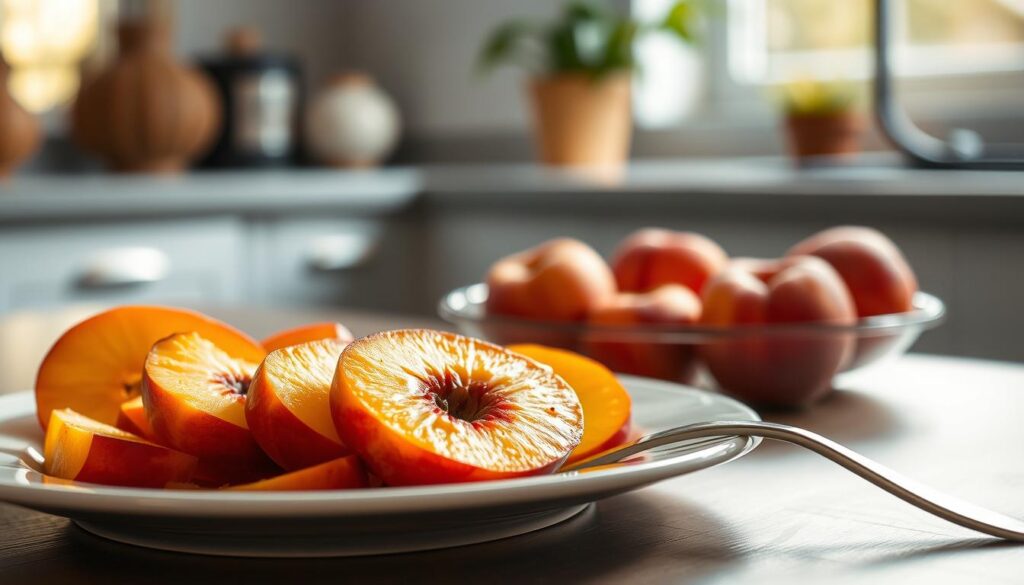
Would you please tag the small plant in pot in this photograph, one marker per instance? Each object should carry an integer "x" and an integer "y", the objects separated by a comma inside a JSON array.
[
  {"x": 822, "y": 120},
  {"x": 580, "y": 67}
]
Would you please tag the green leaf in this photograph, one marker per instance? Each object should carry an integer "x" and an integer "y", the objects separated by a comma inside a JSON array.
[
  {"x": 681, "y": 20},
  {"x": 619, "y": 49},
  {"x": 502, "y": 46}
]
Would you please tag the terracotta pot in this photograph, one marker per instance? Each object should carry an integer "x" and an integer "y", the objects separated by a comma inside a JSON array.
[
  {"x": 147, "y": 112},
  {"x": 835, "y": 134},
  {"x": 19, "y": 130},
  {"x": 582, "y": 121}
]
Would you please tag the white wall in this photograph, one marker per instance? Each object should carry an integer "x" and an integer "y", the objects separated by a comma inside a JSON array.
[
  {"x": 312, "y": 30},
  {"x": 424, "y": 52}
]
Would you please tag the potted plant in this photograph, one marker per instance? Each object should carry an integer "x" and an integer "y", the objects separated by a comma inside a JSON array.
[
  {"x": 580, "y": 70},
  {"x": 822, "y": 119}
]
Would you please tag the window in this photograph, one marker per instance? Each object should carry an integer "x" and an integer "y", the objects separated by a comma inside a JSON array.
[
  {"x": 774, "y": 41},
  {"x": 44, "y": 41}
]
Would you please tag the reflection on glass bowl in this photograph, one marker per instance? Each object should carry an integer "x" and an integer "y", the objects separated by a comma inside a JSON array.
[{"x": 781, "y": 364}]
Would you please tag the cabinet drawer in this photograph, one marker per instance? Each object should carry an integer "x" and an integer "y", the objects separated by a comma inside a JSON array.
[
  {"x": 334, "y": 262},
  {"x": 188, "y": 261}
]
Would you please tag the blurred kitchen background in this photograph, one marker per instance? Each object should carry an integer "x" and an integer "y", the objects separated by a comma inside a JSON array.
[{"x": 339, "y": 153}]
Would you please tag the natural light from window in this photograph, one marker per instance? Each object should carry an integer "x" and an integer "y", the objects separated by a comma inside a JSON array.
[{"x": 774, "y": 41}]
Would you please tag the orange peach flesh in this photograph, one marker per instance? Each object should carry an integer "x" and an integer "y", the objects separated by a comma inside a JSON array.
[
  {"x": 606, "y": 404},
  {"x": 342, "y": 473},
  {"x": 132, "y": 419},
  {"x": 194, "y": 396},
  {"x": 429, "y": 407},
  {"x": 288, "y": 405},
  {"x": 307, "y": 333},
  {"x": 79, "y": 448},
  {"x": 97, "y": 364}
]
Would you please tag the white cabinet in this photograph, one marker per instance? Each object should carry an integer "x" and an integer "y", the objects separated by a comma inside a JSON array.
[
  {"x": 353, "y": 262},
  {"x": 186, "y": 261}
]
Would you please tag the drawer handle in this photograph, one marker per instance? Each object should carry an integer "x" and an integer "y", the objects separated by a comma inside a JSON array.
[
  {"x": 118, "y": 267},
  {"x": 338, "y": 252}
]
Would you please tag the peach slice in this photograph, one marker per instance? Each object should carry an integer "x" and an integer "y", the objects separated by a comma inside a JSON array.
[
  {"x": 81, "y": 449},
  {"x": 194, "y": 394},
  {"x": 427, "y": 407},
  {"x": 97, "y": 364},
  {"x": 338, "y": 474},
  {"x": 306, "y": 333},
  {"x": 606, "y": 404},
  {"x": 288, "y": 405},
  {"x": 132, "y": 419}
]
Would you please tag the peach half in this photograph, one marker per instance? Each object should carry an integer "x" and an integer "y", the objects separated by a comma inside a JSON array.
[
  {"x": 81, "y": 449},
  {"x": 288, "y": 404},
  {"x": 194, "y": 394},
  {"x": 306, "y": 333},
  {"x": 606, "y": 404},
  {"x": 97, "y": 364},
  {"x": 427, "y": 407}
]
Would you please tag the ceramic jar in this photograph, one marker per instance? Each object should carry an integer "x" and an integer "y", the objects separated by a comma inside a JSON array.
[{"x": 352, "y": 123}]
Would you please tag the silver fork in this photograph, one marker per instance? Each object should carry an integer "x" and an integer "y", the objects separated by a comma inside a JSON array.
[{"x": 924, "y": 497}]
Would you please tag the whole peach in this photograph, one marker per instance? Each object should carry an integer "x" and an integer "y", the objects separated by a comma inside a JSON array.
[
  {"x": 788, "y": 367},
  {"x": 873, "y": 268},
  {"x": 652, "y": 257},
  {"x": 670, "y": 304},
  {"x": 559, "y": 280}
]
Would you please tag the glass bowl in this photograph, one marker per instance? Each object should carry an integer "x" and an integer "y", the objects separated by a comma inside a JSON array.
[{"x": 774, "y": 364}]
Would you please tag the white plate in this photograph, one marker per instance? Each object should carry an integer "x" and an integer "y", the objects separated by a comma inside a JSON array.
[{"x": 360, "y": 522}]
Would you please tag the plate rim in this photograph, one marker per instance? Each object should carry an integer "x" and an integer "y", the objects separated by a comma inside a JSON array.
[{"x": 124, "y": 501}]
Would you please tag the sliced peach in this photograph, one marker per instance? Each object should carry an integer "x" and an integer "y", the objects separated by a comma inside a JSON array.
[
  {"x": 606, "y": 404},
  {"x": 338, "y": 474},
  {"x": 306, "y": 333},
  {"x": 132, "y": 419},
  {"x": 426, "y": 407},
  {"x": 288, "y": 405},
  {"x": 81, "y": 449},
  {"x": 97, "y": 364},
  {"x": 194, "y": 394}
]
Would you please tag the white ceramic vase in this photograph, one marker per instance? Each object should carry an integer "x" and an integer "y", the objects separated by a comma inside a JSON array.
[{"x": 352, "y": 123}]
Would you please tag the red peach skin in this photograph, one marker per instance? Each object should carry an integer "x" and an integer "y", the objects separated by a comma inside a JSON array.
[
  {"x": 651, "y": 258},
  {"x": 781, "y": 369},
  {"x": 670, "y": 304},
  {"x": 873, "y": 268},
  {"x": 559, "y": 280}
]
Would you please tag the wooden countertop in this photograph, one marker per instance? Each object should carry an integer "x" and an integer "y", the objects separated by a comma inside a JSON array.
[{"x": 779, "y": 515}]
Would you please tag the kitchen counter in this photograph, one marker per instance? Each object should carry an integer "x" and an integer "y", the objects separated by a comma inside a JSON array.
[
  {"x": 397, "y": 239},
  {"x": 62, "y": 197},
  {"x": 878, "y": 186},
  {"x": 779, "y": 515}
]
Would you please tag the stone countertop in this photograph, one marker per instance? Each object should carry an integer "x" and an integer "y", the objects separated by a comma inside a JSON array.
[{"x": 769, "y": 185}]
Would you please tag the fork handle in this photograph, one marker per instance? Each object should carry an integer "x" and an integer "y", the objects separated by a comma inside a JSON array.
[{"x": 922, "y": 496}]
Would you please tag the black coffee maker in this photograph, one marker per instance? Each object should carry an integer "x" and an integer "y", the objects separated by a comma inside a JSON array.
[{"x": 262, "y": 97}]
